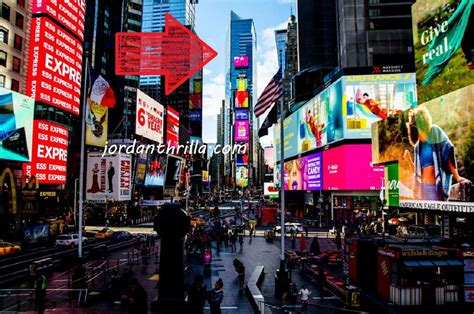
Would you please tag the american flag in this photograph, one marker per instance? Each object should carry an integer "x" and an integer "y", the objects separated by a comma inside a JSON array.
[{"x": 270, "y": 94}]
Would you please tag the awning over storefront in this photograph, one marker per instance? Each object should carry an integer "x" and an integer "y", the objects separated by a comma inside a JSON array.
[{"x": 433, "y": 263}]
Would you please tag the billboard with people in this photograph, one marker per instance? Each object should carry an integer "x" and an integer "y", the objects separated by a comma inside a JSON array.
[
  {"x": 304, "y": 174},
  {"x": 155, "y": 170},
  {"x": 433, "y": 145}
]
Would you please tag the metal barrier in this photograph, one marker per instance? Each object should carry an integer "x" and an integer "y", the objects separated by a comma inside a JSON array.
[{"x": 269, "y": 308}]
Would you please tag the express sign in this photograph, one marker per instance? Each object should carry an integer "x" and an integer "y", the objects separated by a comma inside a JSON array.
[
  {"x": 49, "y": 156},
  {"x": 56, "y": 62},
  {"x": 69, "y": 13}
]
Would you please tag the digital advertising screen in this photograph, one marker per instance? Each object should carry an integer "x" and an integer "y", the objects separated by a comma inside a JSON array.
[
  {"x": 49, "y": 155},
  {"x": 432, "y": 144},
  {"x": 241, "y": 114},
  {"x": 195, "y": 115},
  {"x": 16, "y": 125},
  {"x": 241, "y": 128},
  {"x": 172, "y": 127},
  {"x": 149, "y": 119},
  {"x": 155, "y": 170},
  {"x": 370, "y": 98},
  {"x": 195, "y": 101},
  {"x": 54, "y": 74},
  {"x": 442, "y": 37},
  {"x": 97, "y": 120},
  {"x": 269, "y": 161},
  {"x": 349, "y": 167},
  {"x": 270, "y": 190},
  {"x": 244, "y": 157},
  {"x": 141, "y": 169},
  {"x": 69, "y": 14},
  {"x": 241, "y": 99},
  {"x": 242, "y": 84},
  {"x": 304, "y": 174},
  {"x": 242, "y": 176},
  {"x": 241, "y": 62},
  {"x": 174, "y": 169},
  {"x": 108, "y": 177}
]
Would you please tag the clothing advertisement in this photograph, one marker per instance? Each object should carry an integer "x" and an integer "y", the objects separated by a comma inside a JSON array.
[
  {"x": 16, "y": 125},
  {"x": 108, "y": 177},
  {"x": 443, "y": 37},
  {"x": 433, "y": 146}
]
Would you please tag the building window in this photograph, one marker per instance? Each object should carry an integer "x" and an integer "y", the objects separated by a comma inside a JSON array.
[
  {"x": 2, "y": 80},
  {"x": 19, "y": 20},
  {"x": 18, "y": 44},
  {"x": 5, "y": 12},
  {"x": 4, "y": 35},
  {"x": 16, "y": 64},
  {"x": 15, "y": 85},
  {"x": 3, "y": 58},
  {"x": 21, "y": 3}
]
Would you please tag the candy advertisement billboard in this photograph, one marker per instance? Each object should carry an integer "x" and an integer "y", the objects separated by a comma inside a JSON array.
[
  {"x": 349, "y": 167},
  {"x": 442, "y": 37},
  {"x": 433, "y": 146},
  {"x": 149, "y": 120},
  {"x": 370, "y": 98},
  {"x": 304, "y": 174},
  {"x": 16, "y": 125},
  {"x": 54, "y": 75},
  {"x": 49, "y": 155},
  {"x": 241, "y": 131}
]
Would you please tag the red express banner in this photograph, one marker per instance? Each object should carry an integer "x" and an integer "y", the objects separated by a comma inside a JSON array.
[
  {"x": 49, "y": 155},
  {"x": 69, "y": 13},
  {"x": 54, "y": 75}
]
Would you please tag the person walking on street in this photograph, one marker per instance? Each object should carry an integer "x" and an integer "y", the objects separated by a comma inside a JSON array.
[
  {"x": 216, "y": 296},
  {"x": 338, "y": 240},
  {"x": 302, "y": 243},
  {"x": 304, "y": 296},
  {"x": 293, "y": 241},
  {"x": 197, "y": 295},
  {"x": 241, "y": 273},
  {"x": 233, "y": 241},
  {"x": 40, "y": 292},
  {"x": 241, "y": 241}
]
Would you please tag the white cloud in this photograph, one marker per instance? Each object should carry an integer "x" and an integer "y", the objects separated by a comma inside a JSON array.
[
  {"x": 213, "y": 93},
  {"x": 286, "y": 1}
]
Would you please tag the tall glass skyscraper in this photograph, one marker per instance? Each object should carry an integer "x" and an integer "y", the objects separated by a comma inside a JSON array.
[
  {"x": 280, "y": 41},
  {"x": 154, "y": 12},
  {"x": 241, "y": 41}
]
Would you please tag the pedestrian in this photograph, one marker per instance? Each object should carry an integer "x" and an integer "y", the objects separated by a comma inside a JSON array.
[
  {"x": 306, "y": 230},
  {"x": 293, "y": 294},
  {"x": 338, "y": 240},
  {"x": 136, "y": 298},
  {"x": 233, "y": 241},
  {"x": 241, "y": 274},
  {"x": 302, "y": 243},
  {"x": 321, "y": 279},
  {"x": 216, "y": 296},
  {"x": 293, "y": 241},
  {"x": 241, "y": 241},
  {"x": 197, "y": 295},
  {"x": 290, "y": 265},
  {"x": 40, "y": 292},
  {"x": 304, "y": 296}
]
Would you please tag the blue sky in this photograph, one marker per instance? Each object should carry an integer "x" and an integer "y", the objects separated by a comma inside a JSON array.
[{"x": 212, "y": 21}]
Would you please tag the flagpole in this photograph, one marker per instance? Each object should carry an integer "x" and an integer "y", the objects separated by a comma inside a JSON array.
[{"x": 81, "y": 168}]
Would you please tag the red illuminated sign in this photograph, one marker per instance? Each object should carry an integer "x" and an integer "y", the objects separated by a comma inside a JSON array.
[
  {"x": 54, "y": 75},
  {"x": 69, "y": 14},
  {"x": 172, "y": 129},
  {"x": 49, "y": 157}
]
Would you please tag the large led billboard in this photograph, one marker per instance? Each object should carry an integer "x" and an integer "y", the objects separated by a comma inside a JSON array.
[
  {"x": 54, "y": 75},
  {"x": 242, "y": 84},
  {"x": 16, "y": 125},
  {"x": 70, "y": 14},
  {"x": 349, "y": 167},
  {"x": 433, "y": 146},
  {"x": 141, "y": 169},
  {"x": 242, "y": 176},
  {"x": 244, "y": 157},
  {"x": 304, "y": 174},
  {"x": 172, "y": 127},
  {"x": 241, "y": 99},
  {"x": 241, "y": 62},
  {"x": 155, "y": 170},
  {"x": 443, "y": 39},
  {"x": 108, "y": 177},
  {"x": 149, "y": 120},
  {"x": 241, "y": 128},
  {"x": 370, "y": 98},
  {"x": 241, "y": 114},
  {"x": 174, "y": 171},
  {"x": 49, "y": 155}
]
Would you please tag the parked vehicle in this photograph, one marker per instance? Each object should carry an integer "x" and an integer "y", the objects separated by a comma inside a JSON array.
[
  {"x": 69, "y": 240},
  {"x": 7, "y": 249},
  {"x": 104, "y": 234},
  {"x": 290, "y": 226},
  {"x": 120, "y": 236}
]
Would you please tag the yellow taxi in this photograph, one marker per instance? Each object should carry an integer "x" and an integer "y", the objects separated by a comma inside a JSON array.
[
  {"x": 197, "y": 222},
  {"x": 104, "y": 234},
  {"x": 7, "y": 248}
]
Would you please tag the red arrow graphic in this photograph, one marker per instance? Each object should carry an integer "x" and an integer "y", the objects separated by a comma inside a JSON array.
[{"x": 177, "y": 54}]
